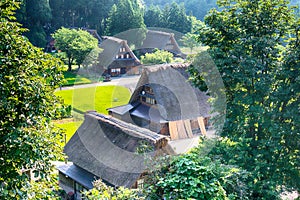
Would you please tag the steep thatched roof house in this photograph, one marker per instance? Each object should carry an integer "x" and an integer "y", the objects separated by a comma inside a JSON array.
[
  {"x": 117, "y": 58},
  {"x": 165, "y": 102},
  {"x": 107, "y": 148},
  {"x": 161, "y": 40}
]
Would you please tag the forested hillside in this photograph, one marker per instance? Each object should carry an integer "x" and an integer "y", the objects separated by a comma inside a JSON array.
[{"x": 43, "y": 17}]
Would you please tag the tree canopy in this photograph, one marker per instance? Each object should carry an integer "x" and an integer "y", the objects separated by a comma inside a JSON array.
[
  {"x": 27, "y": 139},
  {"x": 125, "y": 15},
  {"x": 77, "y": 44},
  {"x": 171, "y": 16},
  {"x": 255, "y": 45},
  {"x": 157, "y": 57}
]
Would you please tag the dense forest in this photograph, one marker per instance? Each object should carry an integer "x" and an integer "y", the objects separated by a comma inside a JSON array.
[{"x": 43, "y": 17}]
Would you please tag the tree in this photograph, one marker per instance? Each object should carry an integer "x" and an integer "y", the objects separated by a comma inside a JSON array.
[
  {"x": 153, "y": 16},
  {"x": 27, "y": 138},
  {"x": 123, "y": 16},
  {"x": 36, "y": 16},
  {"x": 190, "y": 40},
  {"x": 249, "y": 42},
  {"x": 77, "y": 44},
  {"x": 102, "y": 191},
  {"x": 194, "y": 176},
  {"x": 157, "y": 57},
  {"x": 175, "y": 18}
]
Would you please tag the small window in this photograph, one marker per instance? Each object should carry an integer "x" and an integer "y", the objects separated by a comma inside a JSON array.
[
  {"x": 122, "y": 56},
  {"x": 127, "y": 55},
  {"x": 140, "y": 183},
  {"x": 117, "y": 56},
  {"x": 124, "y": 49},
  {"x": 150, "y": 100}
]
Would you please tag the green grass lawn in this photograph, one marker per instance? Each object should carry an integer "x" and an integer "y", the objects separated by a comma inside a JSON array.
[
  {"x": 72, "y": 78},
  {"x": 69, "y": 127},
  {"x": 95, "y": 98}
]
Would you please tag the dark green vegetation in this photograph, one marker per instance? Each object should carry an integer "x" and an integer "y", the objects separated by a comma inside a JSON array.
[
  {"x": 123, "y": 16},
  {"x": 171, "y": 16},
  {"x": 27, "y": 140},
  {"x": 195, "y": 176},
  {"x": 198, "y": 8},
  {"x": 255, "y": 45},
  {"x": 43, "y": 17}
]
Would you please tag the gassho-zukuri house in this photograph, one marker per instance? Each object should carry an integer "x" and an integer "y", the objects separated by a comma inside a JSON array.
[
  {"x": 117, "y": 58},
  {"x": 162, "y": 41},
  {"x": 164, "y": 109},
  {"x": 165, "y": 102},
  {"x": 110, "y": 149}
]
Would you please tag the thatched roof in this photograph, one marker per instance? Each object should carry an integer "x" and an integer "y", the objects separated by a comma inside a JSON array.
[
  {"x": 111, "y": 47},
  {"x": 160, "y": 40},
  {"x": 177, "y": 99},
  {"x": 107, "y": 148},
  {"x": 94, "y": 33}
]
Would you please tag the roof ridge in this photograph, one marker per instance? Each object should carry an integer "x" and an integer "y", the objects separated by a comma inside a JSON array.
[{"x": 131, "y": 129}]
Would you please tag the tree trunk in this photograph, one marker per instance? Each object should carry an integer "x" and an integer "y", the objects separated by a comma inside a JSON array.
[{"x": 69, "y": 64}]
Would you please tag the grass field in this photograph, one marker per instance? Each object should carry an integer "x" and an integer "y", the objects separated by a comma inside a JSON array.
[
  {"x": 72, "y": 78},
  {"x": 69, "y": 126},
  {"x": 95, "y": 98}
]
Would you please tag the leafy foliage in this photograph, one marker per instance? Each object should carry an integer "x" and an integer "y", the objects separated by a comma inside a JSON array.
[
  {"x": 123, "y": 16},
  {"x": 194, "y": 176},
  {"x": 198, "y": 8},
  {"x": 27, "y": 139},
  {"x": 36, "y": 16},
  {"x": 102, "y": 191},
  {"x": 77, "y": 44},
  {"x": 157, "y": 57},
  {"x": 190, "y": 40},
  {"x": 255, "y": 46},
  {"x": 171, "y": 16}
]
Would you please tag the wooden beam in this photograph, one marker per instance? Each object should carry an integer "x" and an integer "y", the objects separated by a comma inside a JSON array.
[
  {"x": 188, "y": 128},
  {"x": 201, "y": 125},
  {"x": 173, "y": 130}
]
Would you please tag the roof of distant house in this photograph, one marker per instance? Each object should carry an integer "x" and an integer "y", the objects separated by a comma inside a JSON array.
[{"x": 111, "y": 48}]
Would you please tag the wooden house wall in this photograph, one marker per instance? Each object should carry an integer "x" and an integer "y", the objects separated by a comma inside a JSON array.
[{"x": 66, "y": 183}]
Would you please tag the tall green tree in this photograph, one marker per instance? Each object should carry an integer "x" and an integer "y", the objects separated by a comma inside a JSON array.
[
  {"x": 125, "y": 15},
  {"x": 175, "y": 18},
  {"x": 35, "y": 15},
  {"x": 153, "y": 16},
  {"x": 248, "y": 41},
  {"x": 77, "y": 44},
  {"x": 171, "y": 16},
  {"x": 194, "y": 176},
  {"x": 27, "y": 139},
  {"x": 190, "y": 40}
]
